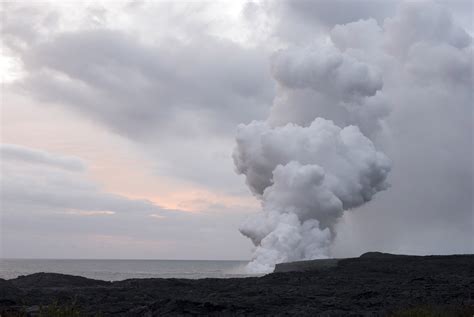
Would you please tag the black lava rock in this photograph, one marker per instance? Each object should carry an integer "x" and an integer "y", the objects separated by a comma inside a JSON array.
[{"x": 372, "y": 285}]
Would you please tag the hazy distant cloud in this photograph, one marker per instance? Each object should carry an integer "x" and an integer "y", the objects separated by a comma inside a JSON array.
[
  {"x": 427, "y": 62},
  {"x": 31, "y": 181},
  {"x": 135, "y": 235},
  {"x": 20, "y": 24},
  {"x": 306, "y": 20},
  {"x": 420, "y": 22},
  {"x": 55, "y": 212},
  {"x": 22, "y": 153},
  {"x": 331, "y": 13}
]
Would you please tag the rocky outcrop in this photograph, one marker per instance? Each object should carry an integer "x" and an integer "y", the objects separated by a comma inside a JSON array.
[
  {"x": 306, "y": 266},
  {"x": 9, "y": 294},
  {"x": 45, "y": 280},
  {"x": 323, "y": 264}
]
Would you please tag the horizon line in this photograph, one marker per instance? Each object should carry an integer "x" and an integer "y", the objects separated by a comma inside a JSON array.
[{"x": 118, "y": 259}]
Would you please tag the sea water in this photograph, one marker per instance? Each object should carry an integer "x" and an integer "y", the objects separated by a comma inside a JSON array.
[{"x": 114, "y": 270}]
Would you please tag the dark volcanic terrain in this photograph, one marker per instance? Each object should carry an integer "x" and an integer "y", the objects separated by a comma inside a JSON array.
[{"x": 371, "y": 285}]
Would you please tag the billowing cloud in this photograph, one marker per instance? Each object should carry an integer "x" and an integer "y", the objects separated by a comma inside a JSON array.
[
  {"x": 343, "y": 153},
  {"x": 336, "y": 86},
  {"x": 306, "y": 178}
]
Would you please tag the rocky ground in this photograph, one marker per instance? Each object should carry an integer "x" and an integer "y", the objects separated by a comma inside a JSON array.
[{"x": 372, "y": 285}]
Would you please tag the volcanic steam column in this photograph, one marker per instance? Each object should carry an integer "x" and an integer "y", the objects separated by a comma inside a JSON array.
[{"x": 305, "y": 169}]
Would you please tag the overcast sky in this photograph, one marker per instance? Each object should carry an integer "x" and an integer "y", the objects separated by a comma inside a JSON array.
[{"x": 119, "y": 119}]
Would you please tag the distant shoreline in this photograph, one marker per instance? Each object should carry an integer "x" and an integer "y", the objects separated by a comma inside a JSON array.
[{"x": 116, "y": 270}]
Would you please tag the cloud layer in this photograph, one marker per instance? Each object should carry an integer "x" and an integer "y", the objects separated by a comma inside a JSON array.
[
  {"x": 176, "y": 78},
  {"x": 63, "y": 212}
]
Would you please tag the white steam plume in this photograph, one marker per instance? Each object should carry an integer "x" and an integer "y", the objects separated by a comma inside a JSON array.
[
  {"x": 307, "y": 170},
  {"x": 306, "y": 177}
]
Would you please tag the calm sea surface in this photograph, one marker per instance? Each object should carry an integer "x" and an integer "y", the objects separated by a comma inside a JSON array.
[{"x": 113, "y": 270}]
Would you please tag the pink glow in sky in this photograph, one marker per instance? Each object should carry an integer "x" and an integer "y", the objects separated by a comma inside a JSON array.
[{"x": 119, "y": 119}]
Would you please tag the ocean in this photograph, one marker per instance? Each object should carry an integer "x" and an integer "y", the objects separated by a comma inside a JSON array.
[{"x": 114, "y": 270}]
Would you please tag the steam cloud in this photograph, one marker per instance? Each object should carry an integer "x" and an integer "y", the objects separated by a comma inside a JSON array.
[
  {"x": 308, "y": 163},
  {"x": 306, "y": 177}
]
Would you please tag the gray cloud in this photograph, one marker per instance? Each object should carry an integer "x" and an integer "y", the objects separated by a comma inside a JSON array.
[
  {"x": 418, "y": 65},
  {"x": 362, "y": 34},
  {"x": 420, "y": 22},
  {"x": 330, "y": 13},
  {"x": 22, "y": 153},
  {"x": 30, "y": 178},
  {"x": 338, "y": 86},
  {"x": 50, "y": 211},
  {"x": 170, "y": 95},
  {"x": 140, "y": 89},
  {"x": 428, "y": 79},
  {"x": 299, "y": 22},
  {"x": 177, "y": 235},
  {"x": 178, "y": 92}
]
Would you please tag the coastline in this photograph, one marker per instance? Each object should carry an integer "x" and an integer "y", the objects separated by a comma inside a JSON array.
[
  {"x": 371, "y": 285},
  {"x": 119, "y": 270}
]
